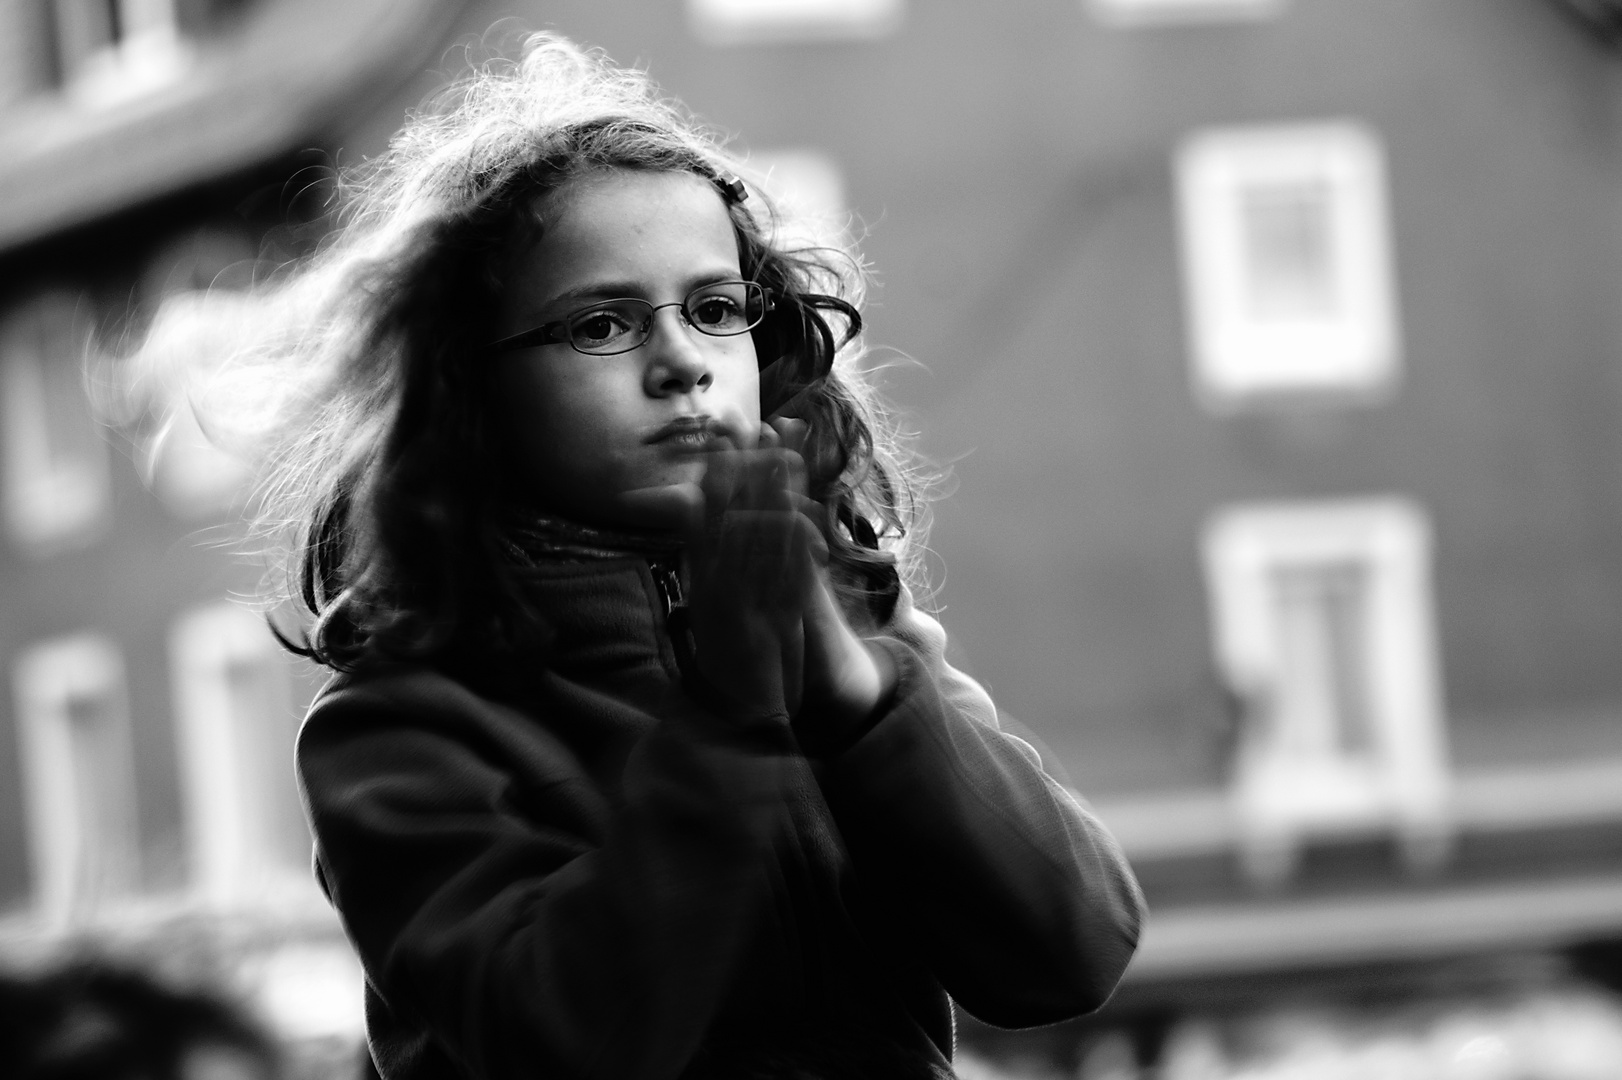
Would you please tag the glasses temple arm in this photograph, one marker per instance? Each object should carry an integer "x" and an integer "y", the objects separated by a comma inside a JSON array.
[{"x": 541, "y": 335}]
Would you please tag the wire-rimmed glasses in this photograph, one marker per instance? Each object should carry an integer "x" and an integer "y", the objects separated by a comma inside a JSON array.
[{"x": 608, "y": 327}]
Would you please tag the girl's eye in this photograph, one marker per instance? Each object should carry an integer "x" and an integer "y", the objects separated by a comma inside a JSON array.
[
  {"x": 603, "y": 326},
  {"x": 716, "y": 313}
]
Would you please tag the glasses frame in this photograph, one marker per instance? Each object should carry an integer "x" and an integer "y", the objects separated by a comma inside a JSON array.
[{"x": 557, "y": 331}]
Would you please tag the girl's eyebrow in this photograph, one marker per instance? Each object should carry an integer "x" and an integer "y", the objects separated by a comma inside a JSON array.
[
  {"x": 613, "y": 290},
  {"x": 606, "y": 290}
]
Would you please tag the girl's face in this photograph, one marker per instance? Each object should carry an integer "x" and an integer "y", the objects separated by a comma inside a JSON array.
[{"x": 584, "y": 430}]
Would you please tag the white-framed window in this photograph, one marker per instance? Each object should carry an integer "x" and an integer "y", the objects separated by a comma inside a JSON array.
[
  {"x": 73, "y": 730},
  {"x": 57, "y": 482},
  {"x": 25, "y": 63},
  {"x": 1322, "y": 623},
  {"x": 738, "y": 22},
  {"x": 235, "y": 725},
  {"x": 1287, "y": 264},
  {"x": 1182, "y": 12},
  {"x": 808, "y": 189},
  {"x": 111, "y": 50}
]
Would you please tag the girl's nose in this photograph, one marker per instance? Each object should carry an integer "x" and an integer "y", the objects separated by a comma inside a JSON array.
[{"x": 676, "y": 363}]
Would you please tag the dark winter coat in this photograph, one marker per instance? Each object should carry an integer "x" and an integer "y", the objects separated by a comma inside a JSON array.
[{"x": 580, "y": 870}]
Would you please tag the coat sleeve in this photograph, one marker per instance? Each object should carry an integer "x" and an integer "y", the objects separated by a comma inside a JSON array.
[
  {"x": 533, "y": 928},
  {"x": 1011, "y": 890}
]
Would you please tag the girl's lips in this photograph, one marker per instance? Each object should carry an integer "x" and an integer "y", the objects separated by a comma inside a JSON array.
[
  {"x": 692, "y": 435},
  {"x": 697, "y": 442}
]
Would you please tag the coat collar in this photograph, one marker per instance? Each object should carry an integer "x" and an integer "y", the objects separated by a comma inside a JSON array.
[{"x": 538, "y": 539}]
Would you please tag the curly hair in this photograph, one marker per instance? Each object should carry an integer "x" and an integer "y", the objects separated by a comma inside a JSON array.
[{"x": 354, "y": 377}]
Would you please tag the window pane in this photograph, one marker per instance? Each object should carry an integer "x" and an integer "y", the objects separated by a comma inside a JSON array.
[
  {"x": 112, "y": 50},
  {"x": 236, "y": 726},
  {"x": 57, "y": 486},
  {"x": 78, "y": 771},
  {"x": 1289, "y": 250},
  {"x": 1324, "y": 693}
]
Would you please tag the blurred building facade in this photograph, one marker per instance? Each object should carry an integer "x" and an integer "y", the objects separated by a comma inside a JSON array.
[
  {"x": 149, "y": 804},
  {"x": 1272, "y": 344}
]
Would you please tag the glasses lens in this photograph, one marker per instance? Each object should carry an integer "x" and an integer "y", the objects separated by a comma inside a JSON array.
[
  {"x": 726, "y": 308},
  {"x": 610, "y": 328}
]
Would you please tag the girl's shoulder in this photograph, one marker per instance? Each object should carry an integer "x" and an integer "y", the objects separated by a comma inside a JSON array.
[
  {"x": 394, "y": 683},
  {"x": 417, "y": 732},
  {"x": 915, "y": 627},
  {"x": 399, "y": 696}
]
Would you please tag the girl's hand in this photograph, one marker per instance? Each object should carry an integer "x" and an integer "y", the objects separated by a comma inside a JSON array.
[
  {"x": 770, "y": 634},
  {"x": 750, "y": 572},
  {"x": 845, "y": 679}
]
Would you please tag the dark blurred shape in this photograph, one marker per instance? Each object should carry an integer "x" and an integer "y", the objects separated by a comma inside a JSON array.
[
  {"x": 93, "y": 1020},
  {"x": 1600, "y": 962},
  {"x": 1604, "y": 16}
]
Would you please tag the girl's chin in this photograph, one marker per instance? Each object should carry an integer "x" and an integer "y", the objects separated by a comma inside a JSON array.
[
  {"x": 667, "y": 507},
  {"x": 679, "y": 469}
]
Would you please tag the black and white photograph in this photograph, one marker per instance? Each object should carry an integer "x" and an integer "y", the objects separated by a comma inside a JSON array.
[{"x": 811, "y": 539}]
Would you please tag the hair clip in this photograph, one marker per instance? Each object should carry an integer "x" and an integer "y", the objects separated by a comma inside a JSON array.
[{"x": 732, "y": 189}]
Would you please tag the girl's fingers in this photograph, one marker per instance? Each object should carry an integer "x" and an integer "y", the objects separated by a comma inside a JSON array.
[
  {"x": 720, "y": 479},
  {"x": 810, "y": 512},
  {"x": 753, "y": 569},
  {"x": 751, "y": 479},
  {"x": 757, "y": 558},
  {"x": 768, "y": 546},
  {"x": 772, "y": 480},
  {"x": 752, "y": 544},
  {"x": 789, "y": 432}
]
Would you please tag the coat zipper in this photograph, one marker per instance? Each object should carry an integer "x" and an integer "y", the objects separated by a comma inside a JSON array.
[{"x": 667, "y": 581}]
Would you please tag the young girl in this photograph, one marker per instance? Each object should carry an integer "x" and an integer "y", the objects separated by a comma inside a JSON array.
[{"x": 639, "y": 760}]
